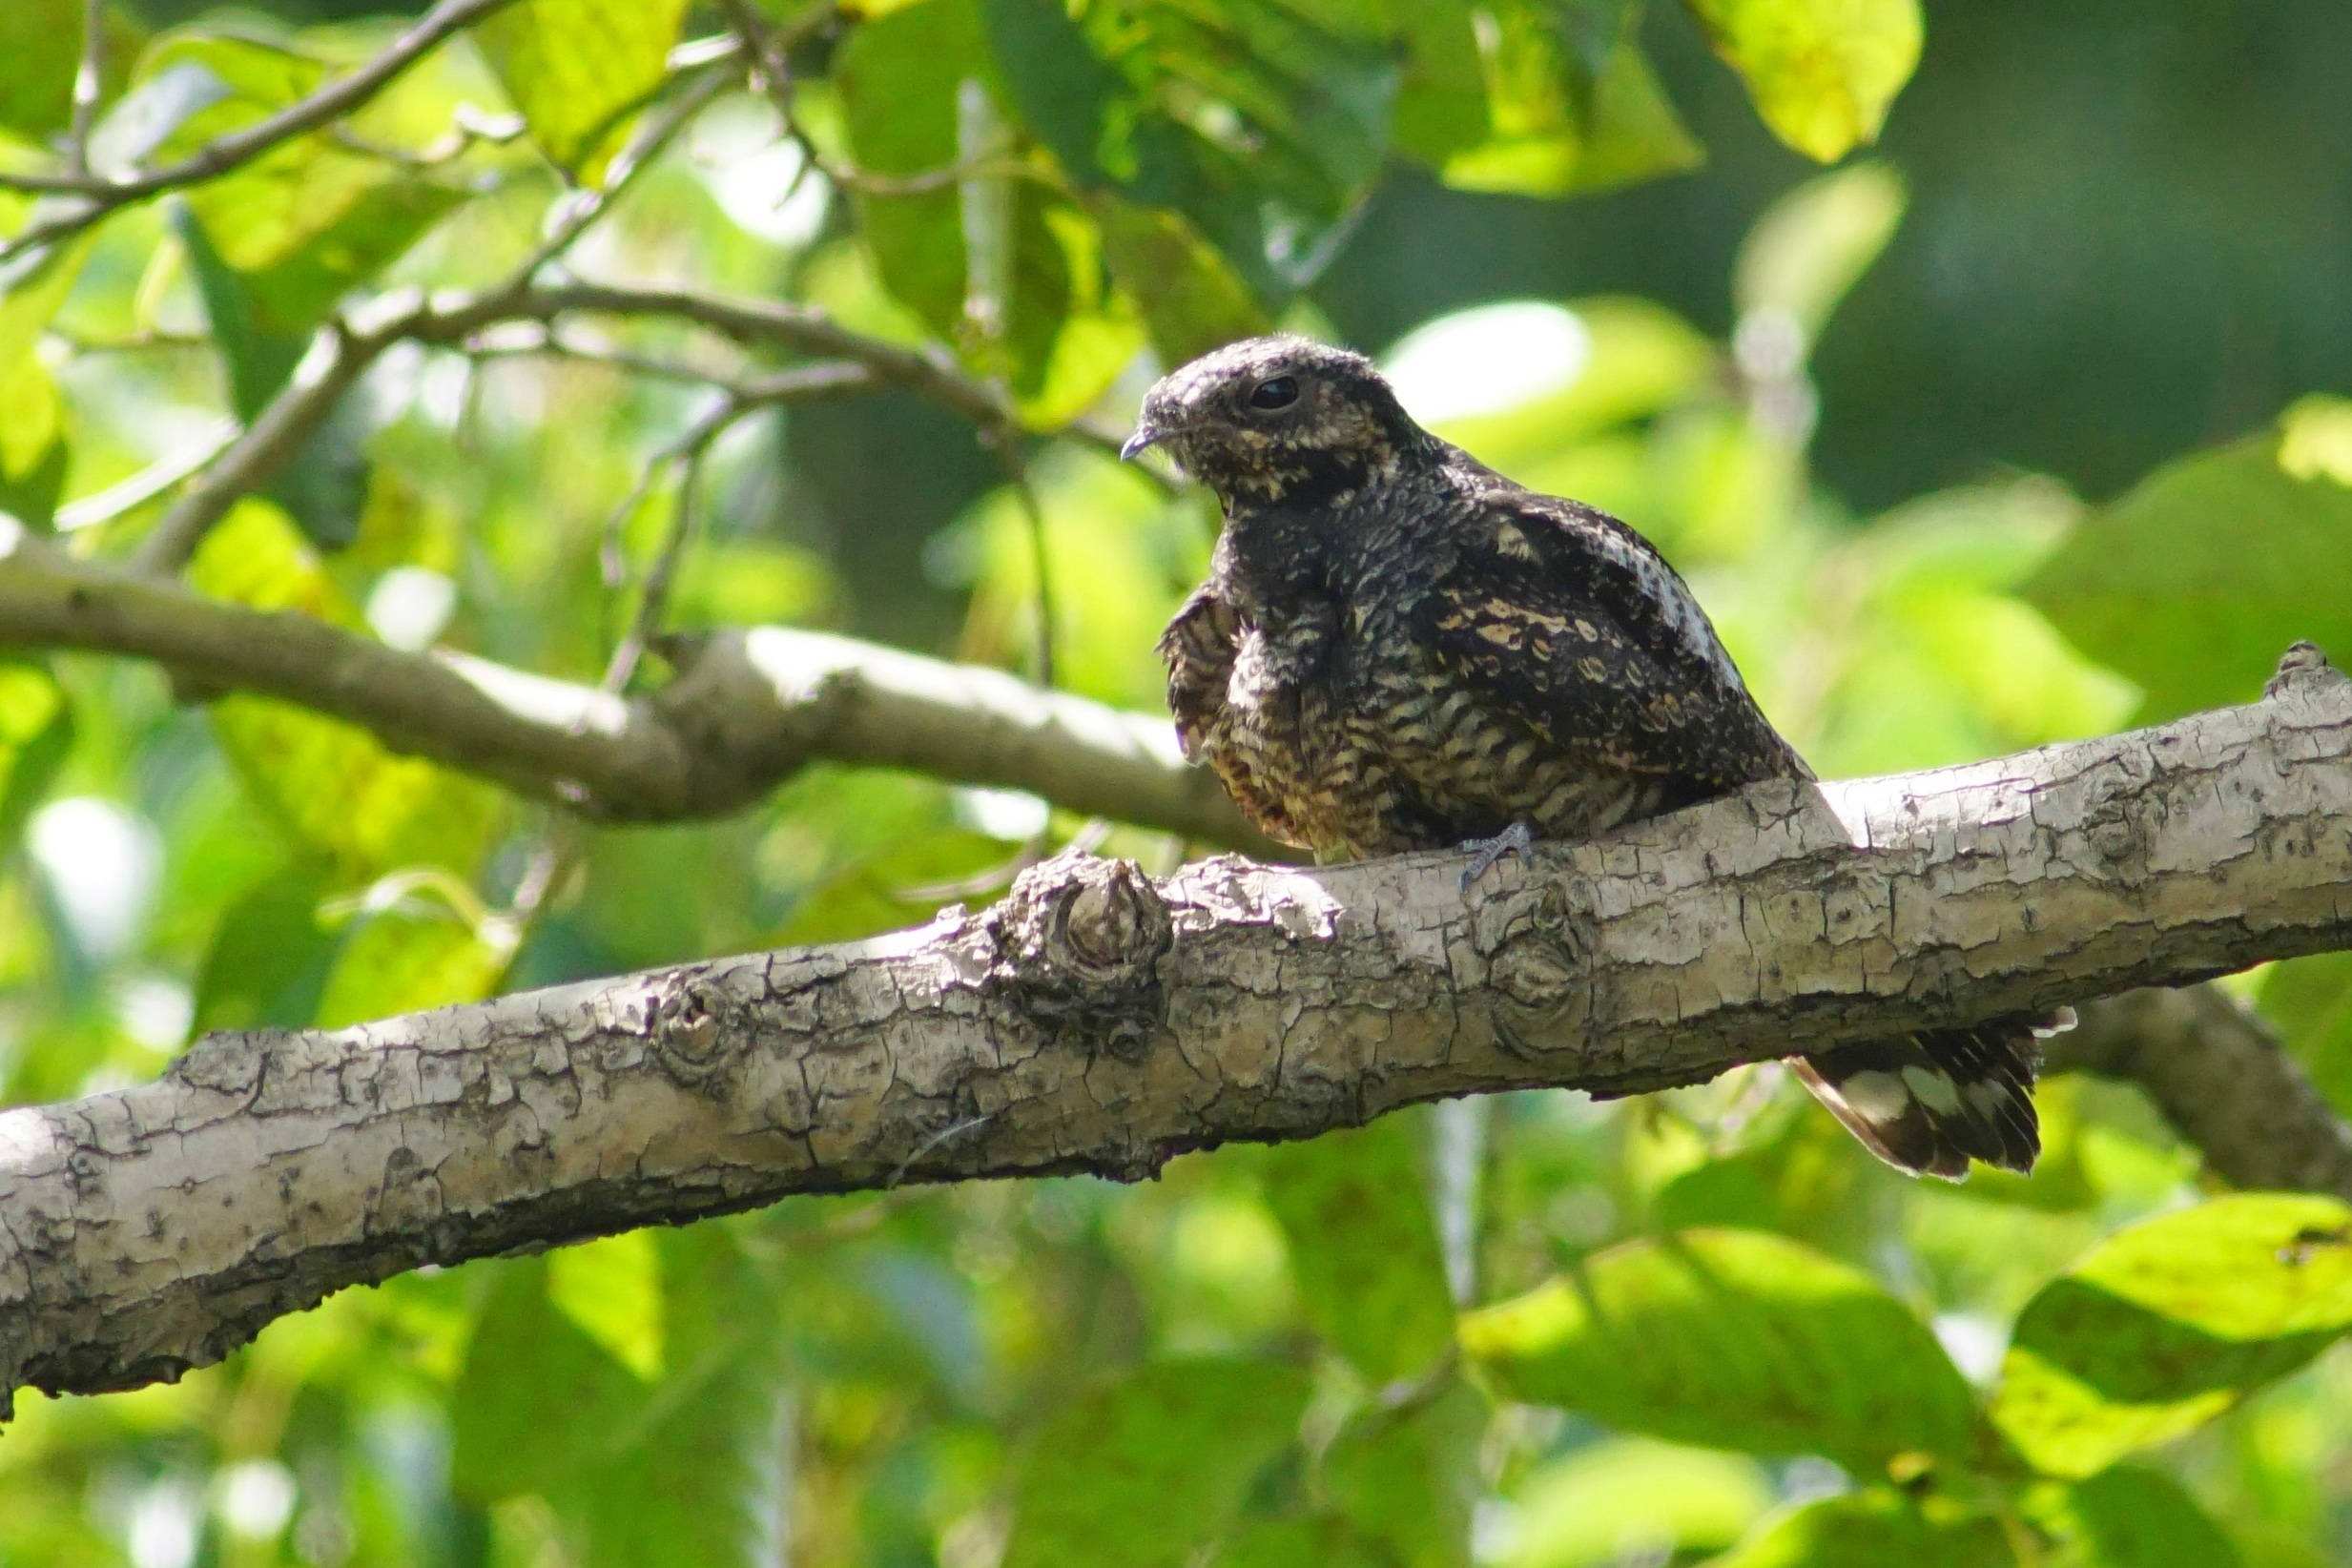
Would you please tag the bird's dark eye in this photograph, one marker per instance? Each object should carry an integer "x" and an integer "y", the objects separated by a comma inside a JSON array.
[{"x": 1279, "y": 393}]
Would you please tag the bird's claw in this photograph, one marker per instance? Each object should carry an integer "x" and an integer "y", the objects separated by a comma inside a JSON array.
[{"x": 1515, "y": 840}]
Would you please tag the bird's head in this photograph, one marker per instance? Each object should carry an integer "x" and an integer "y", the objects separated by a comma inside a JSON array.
[{"x": 1278, "y": 419}]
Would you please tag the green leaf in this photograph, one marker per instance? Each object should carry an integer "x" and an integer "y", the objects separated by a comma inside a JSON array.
[
  {"x": 1871, "y": 1529},
  {"x": 526, "y": 1363},
  {"x": 2126, "y": 1518},
  {"x": 303, "y": 222},
  {"x": 677, "y": 1469},
  {"x": 1406, "y": 1480},
  {"x": 269, "y": 959},
  {"x": 324, "y": 484},
  {"x": 40, "y": 50},
  {"x": 2171, "y": 1322},
  {"x": 37, "y": 729},
  {"x": 1732, "y": 1339},
  {"x": 1176, "y": 1444},
  {"x": 2310, "y": 1000},
  {"x": 1263, "y": 125},
  {"x": 2160, "y": 587},
  {"x": 32, "y": 442},
  {"x": 1559, "y": 98},
  {"x": 1815, "y": 243},
  {"x": 1191, "y": 299},
  {"x": 1822, "y": 73},
  {"x": 333, "y": 786},
  {"x": 1632, "y": 1500},
  {"x": 412, "y": 953},
  {"x": 1372, "y": 1278},
  {"x": 611, "y": 1289},
  {"x": 1060, "y": 337},
  {"x": 580, "y": 70}
]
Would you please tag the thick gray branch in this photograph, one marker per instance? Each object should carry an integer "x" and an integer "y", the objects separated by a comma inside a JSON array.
[{"x": 1098, "y": 1022}]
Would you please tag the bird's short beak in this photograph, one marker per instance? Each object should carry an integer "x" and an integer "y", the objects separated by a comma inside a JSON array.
[{"x": 1146, "y": 434}]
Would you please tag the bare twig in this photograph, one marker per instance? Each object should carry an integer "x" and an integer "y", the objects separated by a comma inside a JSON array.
[
  {"x": 103, "y": 192},
  {"x": 89, "y": 85},
  {"x": 772, "y": 67},
  {"x": 687, "y": 455}
]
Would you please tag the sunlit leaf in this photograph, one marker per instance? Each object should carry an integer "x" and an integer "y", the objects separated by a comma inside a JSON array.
[
  {"x": 1191, "y": 299},
  {"x": 1822, "y": 73},
  {"x": 2127, "y": 1518},
  {"x": 1871, "y": 1530},
  {"x": 1517, "y": 381},
  {"x": 333, "y": 785},
  {"x": 684, "y": 1469},
  {"x": 1355, "y": 1205},
  {"x": 580, "y": 70},
  {"x": 1570, "y": 104},
  {"x": 1732, "y": 1339},
  {"x": 1176, "y": 1443},
  {"x": 1632, "y": 1500},
  {"x": 303, "y": 221},
  {"x": 2170, "y": 1323},
  {"x": 526, "y": 1363},
  {"x": 32, "y": 442},
  {"x": 415, "y": 953},
  {"x": 2161, "y": 586}
]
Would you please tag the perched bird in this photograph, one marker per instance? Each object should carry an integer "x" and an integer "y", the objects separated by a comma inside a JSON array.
[{"x": 1398, "y": 649}]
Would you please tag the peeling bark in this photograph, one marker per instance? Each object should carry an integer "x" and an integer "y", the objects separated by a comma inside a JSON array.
[{"x": 1098, "y": 1022}]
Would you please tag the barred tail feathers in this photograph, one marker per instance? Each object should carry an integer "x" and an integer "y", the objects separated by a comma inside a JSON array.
[{"x": 1929, "y": 1102}]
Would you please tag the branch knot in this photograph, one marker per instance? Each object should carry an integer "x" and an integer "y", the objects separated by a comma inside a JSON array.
[{"x": 1081, "y": 939}]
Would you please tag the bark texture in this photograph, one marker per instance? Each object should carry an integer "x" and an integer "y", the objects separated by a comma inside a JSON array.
[{"x": 1095, "y": 1020}]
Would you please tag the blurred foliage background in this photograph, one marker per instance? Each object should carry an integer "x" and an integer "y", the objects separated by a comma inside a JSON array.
[{"x": 1978, "y": 377}]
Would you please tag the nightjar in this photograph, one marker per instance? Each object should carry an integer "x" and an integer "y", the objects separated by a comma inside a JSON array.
[{"x": 1398, "y": 649}]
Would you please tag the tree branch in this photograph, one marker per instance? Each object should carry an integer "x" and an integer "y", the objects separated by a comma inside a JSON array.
[
  {"x": 1098, "y": 1022},
  {"x": 750, "y": 707},
  {"x": 2222, "y": 1080}
]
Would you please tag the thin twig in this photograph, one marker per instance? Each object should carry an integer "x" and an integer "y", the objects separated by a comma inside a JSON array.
[
  {"x": 88, "y": 84},
  {"x": 1041, "y": 553},
  {"x": 583, "y": 208},
  {"x": 126, "y": 495},
  {"x": 687, "y": 455},
  {"x": 772, "y": 68},
  {"x": 104, "y": 193}
]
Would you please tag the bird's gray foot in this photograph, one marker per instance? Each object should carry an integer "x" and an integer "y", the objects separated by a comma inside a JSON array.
[{"x": 1515, "y": 840}]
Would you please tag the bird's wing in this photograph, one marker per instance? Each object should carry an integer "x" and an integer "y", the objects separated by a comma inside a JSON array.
[
  {"x": 1575, "y": 629},
  {"x": 1198, "y": 649}
]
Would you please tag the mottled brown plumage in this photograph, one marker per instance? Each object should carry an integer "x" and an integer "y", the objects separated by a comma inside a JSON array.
[{"x": 1398, "y": 649}]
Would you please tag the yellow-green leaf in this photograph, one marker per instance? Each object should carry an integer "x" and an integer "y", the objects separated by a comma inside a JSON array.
[
  {"x": 580, "y": 70},
  {"x": 1732, "y": 1339},
  {"x": 2170, "y": 1323},
  {"x": 1872, "y": 1530},
  {"x": 1822, "y": 73}
]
